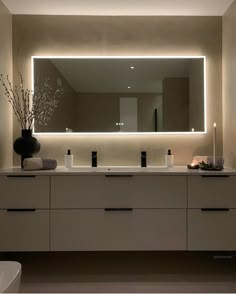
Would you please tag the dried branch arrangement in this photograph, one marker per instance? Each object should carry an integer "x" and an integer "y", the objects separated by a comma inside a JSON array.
[{"x": 30, "y": 106}]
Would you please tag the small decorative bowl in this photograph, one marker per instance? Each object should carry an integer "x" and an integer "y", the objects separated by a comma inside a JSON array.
[{"x": 193, "y": 166}]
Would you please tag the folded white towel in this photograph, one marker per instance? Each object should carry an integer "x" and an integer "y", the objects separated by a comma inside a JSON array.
[
  {"x": 39, "y": 163},
  {"x": 199, "y": 158}
]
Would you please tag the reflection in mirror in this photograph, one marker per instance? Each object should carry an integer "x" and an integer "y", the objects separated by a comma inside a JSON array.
[{"x": 125, "y": 94}]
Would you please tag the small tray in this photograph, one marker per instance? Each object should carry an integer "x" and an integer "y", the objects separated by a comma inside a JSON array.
[{"x": 212, "y": 168}]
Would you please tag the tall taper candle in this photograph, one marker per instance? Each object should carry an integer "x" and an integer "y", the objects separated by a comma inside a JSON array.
[{"x": 214, "y": 145}]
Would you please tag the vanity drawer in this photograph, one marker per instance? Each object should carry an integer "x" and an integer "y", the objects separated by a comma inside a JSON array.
[
  {"x": 137, "y": 229},
  {"x": 118, "y": 191},
  {"x": 24, "y": 191},
  {"x": 211, "y": 229},
  {"x": 212, "y": 191},
  {"x": 24, "y": 230}
]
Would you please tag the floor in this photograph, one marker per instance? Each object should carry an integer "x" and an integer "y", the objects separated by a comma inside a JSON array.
[{"x": 129, "y": 272}]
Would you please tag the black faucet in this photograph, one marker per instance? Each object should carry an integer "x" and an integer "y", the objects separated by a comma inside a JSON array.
[
  {"x": 143, "y": 159},
  {"x": 94, "y": 158}
]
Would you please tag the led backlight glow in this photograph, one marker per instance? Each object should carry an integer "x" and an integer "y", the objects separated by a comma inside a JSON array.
[{"x": 125, "y": 57}]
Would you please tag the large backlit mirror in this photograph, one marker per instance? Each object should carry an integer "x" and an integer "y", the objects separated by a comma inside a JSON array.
[{"x": 125, "y": 94}]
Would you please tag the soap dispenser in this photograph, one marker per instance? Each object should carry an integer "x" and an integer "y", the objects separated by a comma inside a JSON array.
[
  {"x": 169, "y": 159},
  {"x": 68, "y": 159}
]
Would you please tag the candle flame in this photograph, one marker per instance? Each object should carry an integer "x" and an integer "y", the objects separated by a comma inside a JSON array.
[{"x": 214, "y": 125}]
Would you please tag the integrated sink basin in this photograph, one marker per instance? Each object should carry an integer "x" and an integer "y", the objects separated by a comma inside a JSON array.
[
  {"x": 117, "y": 169},
  {"x": 130, "y": 169}
]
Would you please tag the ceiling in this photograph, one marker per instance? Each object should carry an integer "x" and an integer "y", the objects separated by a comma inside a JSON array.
[{"x": 119, "y": 7}]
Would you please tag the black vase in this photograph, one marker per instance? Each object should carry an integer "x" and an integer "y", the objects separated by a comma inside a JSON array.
[{"x": 26, "y": 145}]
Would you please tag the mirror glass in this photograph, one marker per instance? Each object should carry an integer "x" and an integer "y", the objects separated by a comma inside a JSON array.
[{"x": 125, "y": 94}]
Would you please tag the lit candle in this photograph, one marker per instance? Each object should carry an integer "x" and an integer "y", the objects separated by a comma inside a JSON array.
[
  {"x": 193, "y": 166},
  {"x": 214, "y": 145}
]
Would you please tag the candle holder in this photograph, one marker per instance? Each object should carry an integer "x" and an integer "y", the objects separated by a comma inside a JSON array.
[{"x": 193, "y": 166}]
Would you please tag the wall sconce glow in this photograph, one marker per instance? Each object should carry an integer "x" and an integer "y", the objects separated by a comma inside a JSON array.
[{"x": 133, "y": 65}]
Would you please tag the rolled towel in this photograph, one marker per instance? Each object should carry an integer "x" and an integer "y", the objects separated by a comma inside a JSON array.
[{"x": 39, "y": 163}]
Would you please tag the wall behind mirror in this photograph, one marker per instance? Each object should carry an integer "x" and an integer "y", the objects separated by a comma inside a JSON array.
[{"x": 133, "y": 94}]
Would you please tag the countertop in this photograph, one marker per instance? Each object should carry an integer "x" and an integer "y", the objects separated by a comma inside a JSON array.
[{"x": 116, "y": 170}]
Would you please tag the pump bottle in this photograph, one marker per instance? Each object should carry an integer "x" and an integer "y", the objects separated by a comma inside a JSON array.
[
  {"x": 169, "y": 159},
  {"x": 68, "y": 159}
]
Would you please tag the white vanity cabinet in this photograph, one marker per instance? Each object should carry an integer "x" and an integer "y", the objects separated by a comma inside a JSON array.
[
  {"x": 66, "y": 211},
  {"x": 211, "y": 212},
  {"x": 24, "y": 213},
  {"x": 118, "y": 212},
  {"x": 100, "y": 229},
  {"x": 24, "y": 191},
  {"x": 102, "y": 191},
  {"x": 207, "y": 191}
]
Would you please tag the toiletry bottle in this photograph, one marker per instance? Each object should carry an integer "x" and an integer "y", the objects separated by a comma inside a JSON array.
[
  {"x": 143, "y": 159},
  {"x": 169, "y": 159},
  {"x": 94, "y": 158},
  {"x": 68, "y": 159}
]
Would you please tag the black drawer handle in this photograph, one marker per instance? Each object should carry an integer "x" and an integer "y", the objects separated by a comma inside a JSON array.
[
  {"x": 21, "y": 176},
  {"x": 118, "y": 209},
  {"x": 215, "y": 209},
  {"x": 21, "y": 209},
  {"x": 118, "y": 176},
  {"x": 215, "y": 176}
]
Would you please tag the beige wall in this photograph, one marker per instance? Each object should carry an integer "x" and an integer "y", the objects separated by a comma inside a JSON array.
[
  {"x": 73, "y": 35},
  {"x": 6, "y": 147},
  {"x": 229, "y": 85}
]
